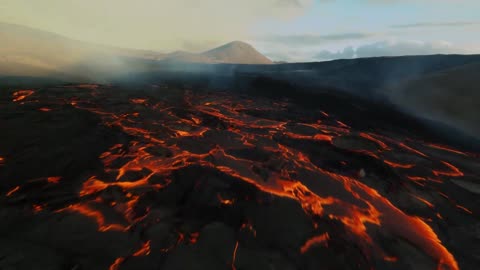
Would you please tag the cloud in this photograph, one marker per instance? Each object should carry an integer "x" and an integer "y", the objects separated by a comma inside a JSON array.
[
  {"x": 289, "y": 3},
  {"x": 437, "y": 24},
  {"x": 346, "y": 53},
  {"x": 396, "y": 48},
  {"x": 393, "y": 48},
  {"x": 288, "y": 56},
  {"x": 309, "y": 40},
  {"x": 150, "y": 24}
]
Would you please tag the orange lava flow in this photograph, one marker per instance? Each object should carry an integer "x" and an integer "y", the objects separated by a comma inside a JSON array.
[
  {"x": 194, "y": 237},
  {"x": 429, "y": 240},
  {"x": 143, "y": 251},
  {"x": 225, "y": 201},
  {"x": 371, "y": 138},
  {"x": 380, "y": 212},
  {"x": 403, "y": 145},
  {"x": 54, "y": 179},
  {"x": 464, "y": 209},
  {"x": 417, "y": 178},
  {"x": 234, "y": 256},
  {"x": 10, "y": 193},
  {"x": 37, "y": 208},
  {"x": 397, "y": 165},
  {"x": 454, "y": 171},
  {"x": 390, "y": 259},
  {"x": 410, "y": 227},
  {"x": 21, "y": 95},
  {"x": 161, "y": 146},
  {"x": 429, "y": 204},
  {"x": 343, "y": 124},
  {"x": 94, "y": 214},
  {"x": 116, "y": 264},
  {"x": 445, "y": 148},
  {"x": 138, "y": 100},
  {"x": 317, "y": 137},
  {"x": 317, "y": 240}
]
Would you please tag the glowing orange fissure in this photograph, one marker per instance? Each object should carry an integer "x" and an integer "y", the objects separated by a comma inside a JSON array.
[
  {"x": 446, "y": 148},
  {"x": 429, "y": 204},
  {"x": 371, "y": 138},
  {"x": 234, "y": 256},
  {"x": 22, "y": 94},
  {"x": 143, "y": 251},
  {"x": 397, "y": 165},
  {"x": 96, "y": 215},
  {"x": 225, "y": 201},
  {"x": 380, "y": 210},
  {"x": 116, "y": 265},
  {"x": 317, "y": 240},
  {"x": 54, "y": 179},
  {"x": 377, "y": 210},
  {"x": 454, "y": 171},
  {"x": 10, "y": 193}
]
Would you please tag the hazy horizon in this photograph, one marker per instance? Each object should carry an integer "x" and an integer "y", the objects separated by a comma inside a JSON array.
[{"x": 283, "y": 30}]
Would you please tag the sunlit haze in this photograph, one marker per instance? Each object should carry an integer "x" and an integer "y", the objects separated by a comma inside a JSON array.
[{"x": 291, "y": 30}]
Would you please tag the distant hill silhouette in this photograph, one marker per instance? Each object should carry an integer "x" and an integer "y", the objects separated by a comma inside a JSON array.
[
  {"x": 237, "y": 52},
  {"x": 25, "y": 51}
]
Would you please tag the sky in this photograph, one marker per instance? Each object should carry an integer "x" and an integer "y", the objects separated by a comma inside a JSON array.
[{"x": 284, "y": 30}]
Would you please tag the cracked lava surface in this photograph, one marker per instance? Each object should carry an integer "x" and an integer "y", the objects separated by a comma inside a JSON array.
[{"x": 99, "y": 178}]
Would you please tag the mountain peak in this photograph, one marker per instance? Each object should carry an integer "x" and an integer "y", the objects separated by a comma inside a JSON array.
[
  {"x": 237, "y": 52},
  {"x": 237, "y": 43}
]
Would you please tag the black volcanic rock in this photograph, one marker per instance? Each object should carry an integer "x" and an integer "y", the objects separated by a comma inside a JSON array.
[{"x": 220, "y": 180}]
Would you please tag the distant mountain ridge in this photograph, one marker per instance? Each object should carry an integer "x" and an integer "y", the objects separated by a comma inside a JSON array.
[
  {"x": 236, "y": 52},
  {"x": 26, "y": 51}
]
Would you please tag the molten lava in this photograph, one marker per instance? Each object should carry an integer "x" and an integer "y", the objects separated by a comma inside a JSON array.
[
  {"x": 234, "y": 256},
  {"x": 453, "y": 171},
  {"x": 317, "y": 240},
  {"x": 10, "y": 193},
  {"x": 22, "y": 94},
  {"x": 211, "y": 131}
]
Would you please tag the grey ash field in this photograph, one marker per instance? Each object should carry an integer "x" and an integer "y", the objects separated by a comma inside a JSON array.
[{"x": 180, "y": 177}]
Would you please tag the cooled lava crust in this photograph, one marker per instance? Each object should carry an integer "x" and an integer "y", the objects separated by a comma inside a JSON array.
[{"x": 97, "y": 177}]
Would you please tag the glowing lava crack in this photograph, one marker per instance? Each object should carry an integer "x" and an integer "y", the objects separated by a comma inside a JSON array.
[{"x": 223, "y": 125}]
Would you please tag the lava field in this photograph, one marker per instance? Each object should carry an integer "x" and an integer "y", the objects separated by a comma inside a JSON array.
[{"x": 98, "y": 177}]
